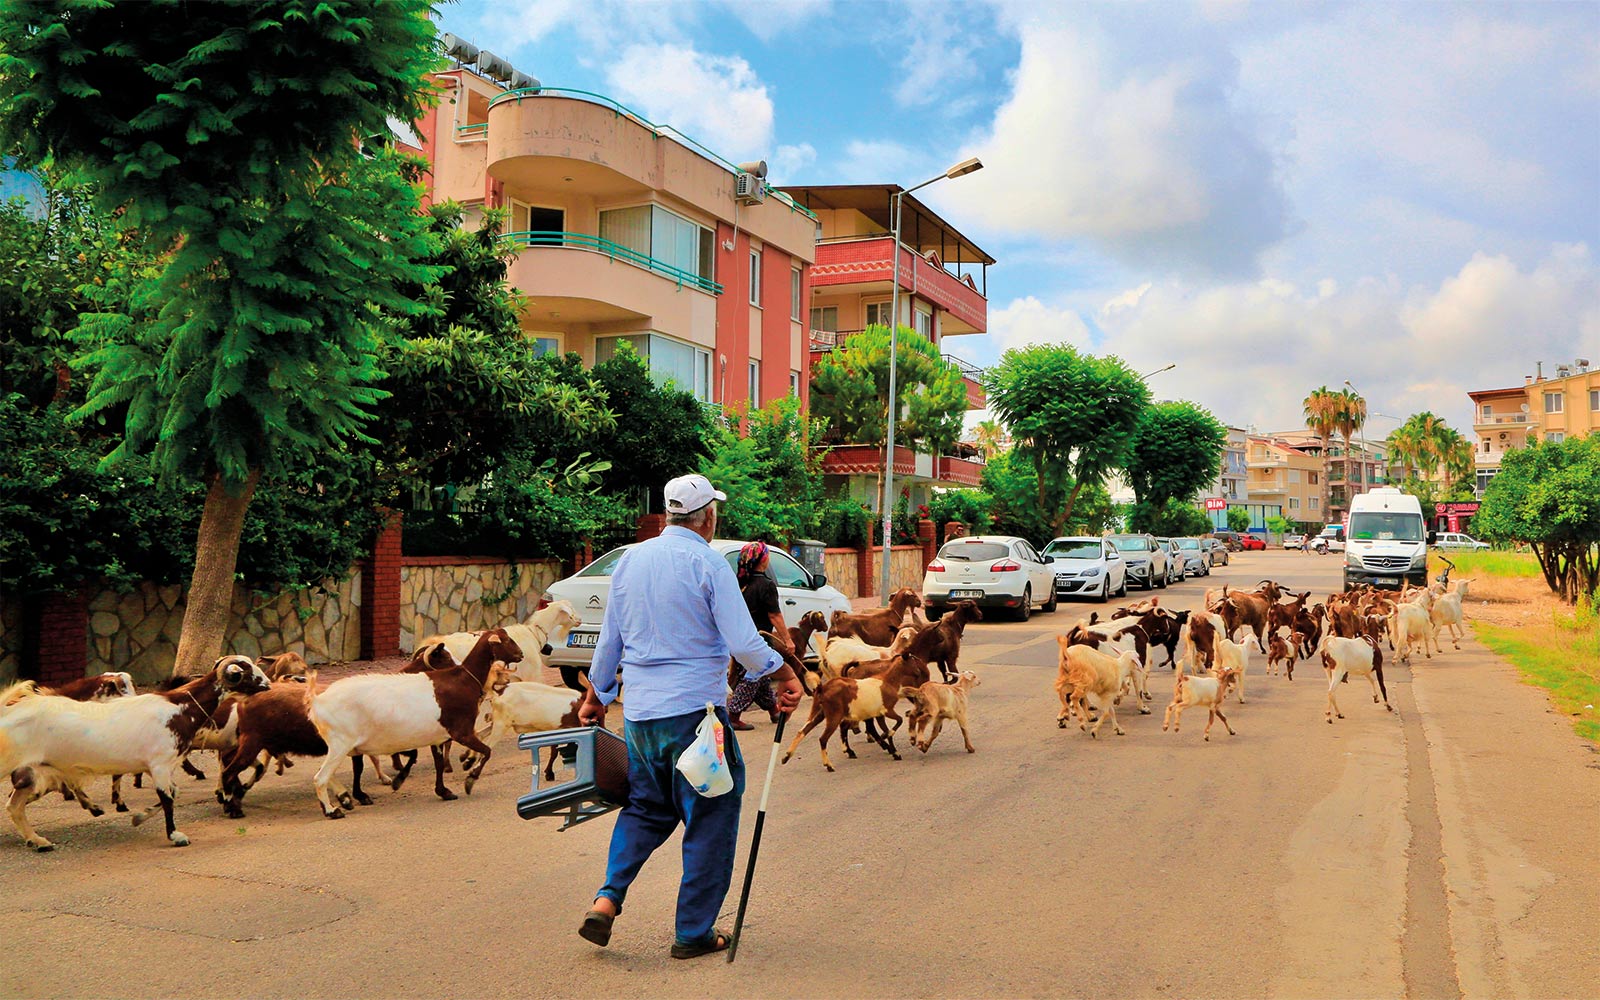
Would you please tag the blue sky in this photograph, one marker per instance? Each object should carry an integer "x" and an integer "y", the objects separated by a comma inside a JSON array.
[{"x": 1273, "y": 196}]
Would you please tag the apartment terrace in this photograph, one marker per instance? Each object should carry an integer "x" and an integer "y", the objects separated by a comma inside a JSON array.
[{"x": 823, "y": 341}]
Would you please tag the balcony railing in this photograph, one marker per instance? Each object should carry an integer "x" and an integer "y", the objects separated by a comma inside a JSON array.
[
  {"x": 1510, "y": 418},
  {"x": 475, "y": 131},
  {"x": 659, "y": 131},
  {"x": 616, "y": 251}
]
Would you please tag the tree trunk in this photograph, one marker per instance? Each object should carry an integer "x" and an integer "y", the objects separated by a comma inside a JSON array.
[
  {"x": 1060, "y": 519},
  {"x": 210, "y": 597},
  {"x": 1327, "y": 487}
]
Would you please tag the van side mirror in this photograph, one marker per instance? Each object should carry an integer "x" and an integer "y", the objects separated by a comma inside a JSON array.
[{"x": 819, "y": 580}]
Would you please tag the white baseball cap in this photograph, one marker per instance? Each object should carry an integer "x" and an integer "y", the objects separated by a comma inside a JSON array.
[{"x": 687, "y": 494}]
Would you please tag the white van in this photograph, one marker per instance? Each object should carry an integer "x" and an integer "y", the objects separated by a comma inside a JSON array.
[{"x": 1386, "y": 543}]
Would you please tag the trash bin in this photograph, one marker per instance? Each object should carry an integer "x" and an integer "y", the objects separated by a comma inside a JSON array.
[{"x": 808, "y": 553}]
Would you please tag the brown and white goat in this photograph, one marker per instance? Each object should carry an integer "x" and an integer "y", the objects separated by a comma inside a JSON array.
[
  {"x": 849, "y": 699},
  {"x": 389, "y": 713},
  {"x": 1342, "y": 657},
  {"x": 1085, "y": 675},
  {"x": 1279, "y": 656},
  {"x": 46, "y": 741},
  {"x": 876, "y": 628},
  {"x": 1191, "y": 691},
  {"x": 534, "y": 636}
]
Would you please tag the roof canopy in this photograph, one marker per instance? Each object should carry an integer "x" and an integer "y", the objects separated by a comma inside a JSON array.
[{"x": 921, "y": 227}]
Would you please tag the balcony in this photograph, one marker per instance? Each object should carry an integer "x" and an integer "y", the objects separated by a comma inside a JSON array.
[
  {"x": 1500, "y": 420},
  {"x": 960, "y": 471},
  {"x": 863, "y": 260},
  {"x": 579, "y": 278},
  {"x": 823, "y": 341},
  {"x": 866, "y": 459}
]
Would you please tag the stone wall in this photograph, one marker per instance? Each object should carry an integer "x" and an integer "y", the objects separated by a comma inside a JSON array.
[
  {"x": 840, "y": 567},
  {"x": 443, "y": 594},
  {"x": 138, "y": 631},
  {"x": 905, "y": 567}
]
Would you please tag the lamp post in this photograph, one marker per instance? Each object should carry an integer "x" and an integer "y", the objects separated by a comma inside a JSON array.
[
  {"x": 959, "y": 170},
  {"x": 1158, "y": 371}
]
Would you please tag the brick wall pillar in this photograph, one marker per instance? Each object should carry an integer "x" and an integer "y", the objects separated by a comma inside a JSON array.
[
  {"x": 866, "y": 579},
  {"x": 925, "y": 538},
  {"x": 380, "y": 593},
  {"x": 62, "y": 631},
  {"x": 650, "y": 526}
]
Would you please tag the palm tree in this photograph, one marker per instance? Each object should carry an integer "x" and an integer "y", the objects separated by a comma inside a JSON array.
[
  {"x": 990, "y": 437},
  {"x": 1456, "y": 457},
  {"x": 1351, "y": 418},
  {"x": 1322, "y": 412}
]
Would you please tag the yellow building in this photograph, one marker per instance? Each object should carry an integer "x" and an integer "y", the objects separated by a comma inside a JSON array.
[
  {"x": 1280, "y": 473},
  {"x": 1567, "y": 405}
]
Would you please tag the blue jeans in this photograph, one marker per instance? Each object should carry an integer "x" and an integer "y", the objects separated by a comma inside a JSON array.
[{"x": 659, "y": 798}]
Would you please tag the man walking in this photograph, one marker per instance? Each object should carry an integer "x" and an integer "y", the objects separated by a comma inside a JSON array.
[{"x": 675, "y": 616}]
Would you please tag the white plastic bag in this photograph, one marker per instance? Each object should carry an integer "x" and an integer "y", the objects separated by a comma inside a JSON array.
[{"x": 705, "y": 763}]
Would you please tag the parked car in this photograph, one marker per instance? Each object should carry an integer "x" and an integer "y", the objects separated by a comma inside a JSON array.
[
  {"x": 1294, "y": 542},
  {"x": 1196, "y": 557},
  {"x": 589, "y": 590},
  {"x": 1175, "y": 568},
  {"x": 1229, "y": 539},
  {"x": 1252, "y": 542},
  {"x": 1217, "y": 549},
  {"x": 1146, "y": 561},
  {"x": 1456, "y": 540},
  {"x": 997, "y": 571},
  {"x": 1088, "y": 566},
  {"x": 1331, "y": 539}
]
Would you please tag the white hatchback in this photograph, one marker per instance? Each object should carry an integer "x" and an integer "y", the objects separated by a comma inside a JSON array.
[
  {"x": 589, "y": 590},
  {"x": 995, "y": 571},
  {"x": 1088, "y": 566}
]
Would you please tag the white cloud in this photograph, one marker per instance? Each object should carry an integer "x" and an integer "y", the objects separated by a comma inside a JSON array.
[
  {"x": 939, "y": 55},
  {"x": 770, "y": 19},
  {"x": 718, "y": 100},
  {"x": 868, "y": 161},
  {"x": 1027, "y": 321},
  {"x": 788, "y": 162},
  {"x": 598, "y": 24},
  {"x": 1251, "y": 351},
  {"x": 1152, "y": 161}
]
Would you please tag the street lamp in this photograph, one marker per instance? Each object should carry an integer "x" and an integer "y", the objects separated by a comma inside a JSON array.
[
  {"x": 959, "y": 170},
  {"x": 1158, "y": 371}
]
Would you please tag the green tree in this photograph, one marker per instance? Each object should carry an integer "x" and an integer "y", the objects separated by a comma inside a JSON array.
[
  {"x": 1175, "y": 518},
  {"x": 1013, "y": 487},
  {"x": 850, "y": 389},
  {"x": 989, "y": 435},
  {"x": 1238, "y": 519},
  {"x": 1322, "y": 412},
  {"x": 1350, "y": 418},
  {"x": 1176, "y": 453},
  {"x": 235, "y": 135},
  {"x": 1547, "y": 496},
  {"x": 1071, "y": 415},
  {"x": 1279, "y": 525},
  {"x": 772, "y": 476},
  {"x": 660, "y": 431}
]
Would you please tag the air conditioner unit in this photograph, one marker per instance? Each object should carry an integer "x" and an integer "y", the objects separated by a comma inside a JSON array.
[{"x": 749, "y": 189}]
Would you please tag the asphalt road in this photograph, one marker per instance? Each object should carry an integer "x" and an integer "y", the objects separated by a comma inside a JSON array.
[{"x": 1444, "y": 850}]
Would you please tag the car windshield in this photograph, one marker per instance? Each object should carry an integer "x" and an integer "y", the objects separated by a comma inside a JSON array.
[
  {"x": 1188, "y": 543},
  {"x": 605, "y": 564},
  {"x": 1073, "y": 548},
  {"x": 1386, "y": 526},
  {"x": 972, "y": 551},
  {"x": 1131, "y": 543}
]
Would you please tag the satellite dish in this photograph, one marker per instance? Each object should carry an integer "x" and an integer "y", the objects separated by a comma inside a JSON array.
[{"x": 1524, "y": 407}]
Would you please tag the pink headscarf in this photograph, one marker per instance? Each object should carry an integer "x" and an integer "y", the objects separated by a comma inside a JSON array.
[{"x": 750, "y": 559}]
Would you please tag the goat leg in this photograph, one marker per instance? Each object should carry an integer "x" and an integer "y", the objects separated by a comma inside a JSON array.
[
  {"x": 438, "y": 776},
  {"x": 402, "y": 770},
  {"x": 24, "y": 781},
  {"x": 356, "y": 764},
  {"x": 191, "y": 770},
  {"x": 480, "y": 750}
]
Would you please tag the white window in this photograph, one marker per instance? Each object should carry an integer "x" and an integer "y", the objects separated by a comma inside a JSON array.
[
  {"x": 1316, "y": 502},
  {"x": 922, "y": 322},
  {"x": 878, "y": 313},
  {"x": 1553, "y": 402},
  {"x": 1555, "y": 437},
  {"x": 1294, "y": 474},
  {"x": 794, "y": 383},
  {"x": 1488, "y": 411},
  {"x": 1294, "y": 502},
  {"x": 674, "y": 245},
  {"x": 671, "y": 361},
  {"x": 547, "y": 343},
  {"x": 755, "y": 277},
  {"x": 794, "y": 294},
  {"x": 755, "y": 384},
  {"x": 825, "y": 318},
  {"x": 1594, "y": 399}
]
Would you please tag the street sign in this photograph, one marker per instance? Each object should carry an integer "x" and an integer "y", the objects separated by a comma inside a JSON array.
[{"x": 1216, "y": 503}]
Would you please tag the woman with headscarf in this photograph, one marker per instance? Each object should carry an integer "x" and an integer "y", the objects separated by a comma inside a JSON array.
[{"x": 761, "y": 597}]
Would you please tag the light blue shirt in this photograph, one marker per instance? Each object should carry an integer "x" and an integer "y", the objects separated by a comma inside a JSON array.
[{"x": 675, "y": 615}]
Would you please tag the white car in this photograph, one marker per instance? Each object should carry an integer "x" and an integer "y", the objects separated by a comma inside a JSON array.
[
  {"x": 1456, "y": 540},
  {"x": 1196, "y": 560},
  {"x": 996, "y": 571},
  {"x": 1088, "y": 566},
  {"x": 1146, "y": 561},
  {"x": 589, "y": 589},
  {"x": 1294, "y": 542}
]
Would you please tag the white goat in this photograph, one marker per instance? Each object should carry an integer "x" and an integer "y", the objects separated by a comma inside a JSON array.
[
  {"x": 1235, "y": 657},
  {"x": 1189, "y": 691},
  {"x": 1446, "y": 613},
  {"x": 545, "y": 628},
  {"x": 1411, "y": 620},
  {"x": 839, "y": 654}
]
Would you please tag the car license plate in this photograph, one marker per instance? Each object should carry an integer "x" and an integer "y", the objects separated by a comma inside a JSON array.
[
  {"x": 1387, "y": 581},
  {"x": 966, "y": 593},
  {"x": 585, "y": 639}
]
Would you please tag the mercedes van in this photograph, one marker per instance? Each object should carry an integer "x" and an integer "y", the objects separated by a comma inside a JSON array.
[{"x": 1386, "y": 543}]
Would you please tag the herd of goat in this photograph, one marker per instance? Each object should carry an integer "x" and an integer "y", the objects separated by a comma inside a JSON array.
[{"x": 464, "y": 688}]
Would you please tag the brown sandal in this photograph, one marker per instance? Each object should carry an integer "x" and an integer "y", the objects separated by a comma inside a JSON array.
[
  {"x": 720, "y": 940},
  {"x": 596, "y": 927}
]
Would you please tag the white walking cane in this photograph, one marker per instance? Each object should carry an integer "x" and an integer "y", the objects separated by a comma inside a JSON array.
[{"x": 755, "y": 840}]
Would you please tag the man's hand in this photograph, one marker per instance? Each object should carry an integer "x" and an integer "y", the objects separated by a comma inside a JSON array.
[
  {"x": 787, "y": 687},
  {"x": 591, "y": 712}
]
